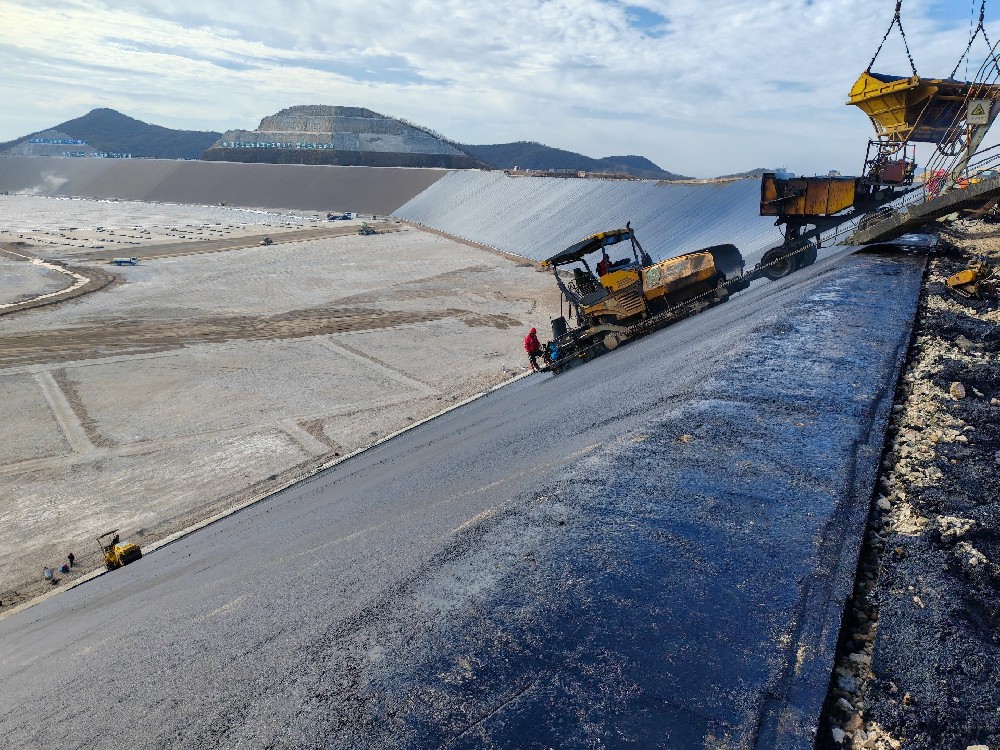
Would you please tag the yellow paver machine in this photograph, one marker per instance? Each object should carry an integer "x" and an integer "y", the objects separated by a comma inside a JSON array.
[{"x": 618, "y": 296}]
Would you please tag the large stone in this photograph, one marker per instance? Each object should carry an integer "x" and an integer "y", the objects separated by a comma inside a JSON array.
[{"x": 321, "y": 134}]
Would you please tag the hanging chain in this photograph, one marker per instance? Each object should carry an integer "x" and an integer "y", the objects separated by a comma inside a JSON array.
[
  {"x": 902, "y": 33},
  {"x": 993, "y": 56},
  {"x": 975, "y": 33},
  {"x": 896, "y": 21}
]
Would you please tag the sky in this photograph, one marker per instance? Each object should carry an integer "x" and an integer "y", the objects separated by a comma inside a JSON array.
[{"x": 701, "y": 87}]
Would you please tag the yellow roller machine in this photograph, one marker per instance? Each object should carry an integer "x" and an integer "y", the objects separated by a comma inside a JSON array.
[{"x": 116, "y": 552}]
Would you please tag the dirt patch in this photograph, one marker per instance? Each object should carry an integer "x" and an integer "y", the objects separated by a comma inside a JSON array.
[
  {"x": 97, "y": 280},
  {"x": 500, "y": 322},
  {"x": 127, "y": 337},
  {"x": 79, "y": 409},
  {"x": 315, "y": 428},
  {"x": 919, "y": 658}
]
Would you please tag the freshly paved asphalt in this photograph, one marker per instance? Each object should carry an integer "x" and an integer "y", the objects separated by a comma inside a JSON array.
[{"x": 650, "y": 550}]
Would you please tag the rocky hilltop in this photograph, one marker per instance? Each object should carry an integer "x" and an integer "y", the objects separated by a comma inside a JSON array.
[
  {"x": 321, "y": 134},
  {"x": 110, "y": 132}
]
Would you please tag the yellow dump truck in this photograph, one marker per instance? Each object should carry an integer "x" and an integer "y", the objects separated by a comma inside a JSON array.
[
  {"x": 116, "y": 552},
  {"x": 616, "y": 298},
  {"x": 807, "y": 207}
]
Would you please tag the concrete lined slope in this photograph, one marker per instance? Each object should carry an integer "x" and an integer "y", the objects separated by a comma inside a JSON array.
[
  {"x": 536, "y": 217},
  {"x": 650, "y": 550},
  {"x": 303, "y": 187}
]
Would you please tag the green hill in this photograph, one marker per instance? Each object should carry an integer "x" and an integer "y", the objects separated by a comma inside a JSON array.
[
  {"x": 537, "y": 156},
  {"x": 108, "y": 130},
  {"x": 749, "y": 173}
]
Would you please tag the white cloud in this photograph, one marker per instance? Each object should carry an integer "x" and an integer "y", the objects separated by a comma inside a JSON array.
[{"x": 719, "y": 87}]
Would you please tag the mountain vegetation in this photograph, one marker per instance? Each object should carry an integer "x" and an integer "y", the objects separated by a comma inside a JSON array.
[
  {"x": 749, "y": 173},
  {"x": 111, "y": 131},
  {"x": 537, "y": 156}
]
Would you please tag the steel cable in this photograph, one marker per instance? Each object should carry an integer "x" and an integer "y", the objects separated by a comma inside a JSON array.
[{"x": 896, "y": 21}]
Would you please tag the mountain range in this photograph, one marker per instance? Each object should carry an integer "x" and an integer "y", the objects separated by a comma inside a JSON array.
[
  {"x": 537, "y": 156},
  {"x": 110, "y": 131}
]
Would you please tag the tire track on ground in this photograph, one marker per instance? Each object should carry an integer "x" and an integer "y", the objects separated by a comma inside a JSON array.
[{"x": 118, "y": 337}]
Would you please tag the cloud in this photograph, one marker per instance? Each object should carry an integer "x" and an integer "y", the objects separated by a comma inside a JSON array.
[{"x": 699, "y": 88}]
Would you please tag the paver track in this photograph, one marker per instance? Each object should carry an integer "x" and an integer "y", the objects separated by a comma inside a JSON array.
[{"x": 119, "y": 337}]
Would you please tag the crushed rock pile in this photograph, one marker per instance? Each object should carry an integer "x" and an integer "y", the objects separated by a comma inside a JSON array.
[{"x": 918, "y": 665}]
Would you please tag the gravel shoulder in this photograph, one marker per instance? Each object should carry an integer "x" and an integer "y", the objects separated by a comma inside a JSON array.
[{"x": 919, "y": 660}]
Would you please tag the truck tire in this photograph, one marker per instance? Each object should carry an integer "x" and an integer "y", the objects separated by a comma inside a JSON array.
[{"x": 779, "y": 262}]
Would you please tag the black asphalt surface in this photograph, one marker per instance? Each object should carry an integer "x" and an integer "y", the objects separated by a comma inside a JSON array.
[{"x": 650, "y": 550}]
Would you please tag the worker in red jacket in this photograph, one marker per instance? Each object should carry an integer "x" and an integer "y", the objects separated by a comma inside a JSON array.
[
  {"x": 604, "y": 266},
  {"x": 534, "y": 348}
]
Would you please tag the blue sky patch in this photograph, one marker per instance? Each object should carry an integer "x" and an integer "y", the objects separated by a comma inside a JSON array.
[
  {"x": 648, "y": 22},
  {"x": 800, "y": 87},
  {"x": 951, "y": 12}
]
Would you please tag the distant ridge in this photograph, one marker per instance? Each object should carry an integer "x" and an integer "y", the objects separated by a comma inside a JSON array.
[
  {"x": 372, "y": 139},
  {"x": 749, "y": 173},
  {"x": 110, "y": 131},
  {"x": 538, "y": 156}
]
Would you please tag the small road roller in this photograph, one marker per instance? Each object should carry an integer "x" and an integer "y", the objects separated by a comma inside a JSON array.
[{"x": 116, "y": 552}]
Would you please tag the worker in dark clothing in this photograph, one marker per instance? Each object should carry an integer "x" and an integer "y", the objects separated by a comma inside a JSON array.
[
  {"x": 116, "y": 539},
  {"x": 534, "y": 348},
  {"x": 604, "y": 265},
  {"x": 71, "y": 557}
]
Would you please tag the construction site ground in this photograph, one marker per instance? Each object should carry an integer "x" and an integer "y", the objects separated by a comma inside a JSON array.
[
  {"x": 650, "y": 550},
  {"x": 919, "y": 659},
  {"x": 217, "y": 368}
]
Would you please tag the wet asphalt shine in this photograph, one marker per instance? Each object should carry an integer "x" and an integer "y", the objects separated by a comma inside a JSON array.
[{"x": 650, "y": 550}]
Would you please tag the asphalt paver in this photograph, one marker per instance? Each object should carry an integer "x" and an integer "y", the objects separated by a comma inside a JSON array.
[{"x": 650, "y": 550}]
